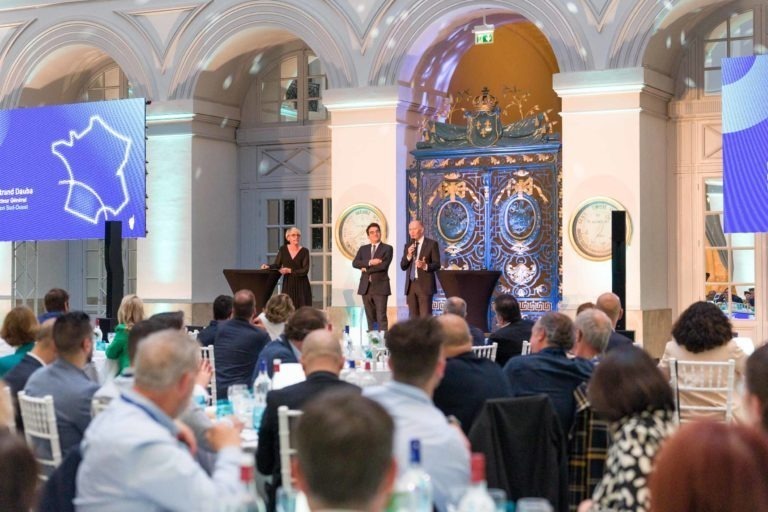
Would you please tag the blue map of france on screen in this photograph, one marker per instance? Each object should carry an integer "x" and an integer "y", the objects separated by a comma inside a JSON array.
[{"x": 66, "y": 169}]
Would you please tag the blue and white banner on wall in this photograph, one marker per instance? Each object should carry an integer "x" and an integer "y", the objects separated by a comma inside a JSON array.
[
  {"x": 66, "y": 169},
  {"x": 745, "y": 144}
]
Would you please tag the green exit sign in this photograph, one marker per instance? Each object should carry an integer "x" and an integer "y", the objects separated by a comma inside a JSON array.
[{"x": 484, "y": 37}]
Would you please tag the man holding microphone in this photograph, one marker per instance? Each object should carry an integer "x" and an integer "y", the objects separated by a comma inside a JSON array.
[{"x": 421, "y": 258}]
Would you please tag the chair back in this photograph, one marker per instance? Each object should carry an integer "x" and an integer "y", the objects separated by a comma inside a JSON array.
[
  {"x": 98, "y": 404},
  {"x": 703, "y": 389},
  {"x": 488, "y": 351},
  {"x": 206, "y": 353},
  {"x": 284, "y": 415},
  {"x": 39, "y": 419},
  {"x": 526, "y": 348}
]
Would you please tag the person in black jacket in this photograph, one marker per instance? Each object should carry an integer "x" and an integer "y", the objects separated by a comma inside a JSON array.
[
  {"x": 421, "y": 259},
  {"x": 512, "y": 331},
  {"x": 322, "y": 360},
  {"x": 222, "y": 311},
  {"x": 610, "y": 304},
  {"x": 373, "y": 260}
]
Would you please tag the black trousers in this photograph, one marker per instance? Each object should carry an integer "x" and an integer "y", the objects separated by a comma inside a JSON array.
[
  {"x": 419, "y": 305},
  {"x": 376, "y": 310}
]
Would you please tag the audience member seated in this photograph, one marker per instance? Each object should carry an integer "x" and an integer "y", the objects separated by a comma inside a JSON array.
[
  {"x": 512, "y": 331},
  {"x": 322, "y": 361},
  {"x": 711, "y": 467},
  {"x": 19, "y": 330},
  {"x": 756, "y": 396},
  {"x": 65, "y": 379},
  {"x": 703, "y": 333},
  {"x": 588, "y": 437},
  {"x": 549, "y": 370},
  {"x": 222, "y": 311},
  {"x": 344, "y": 461},
  {"x": 131, "y": 452},
  {"x": 43, "y": 354},
  {"x": 131, "y": 311},
  {"x": 238, "y": 345},
  {"x": 170, "y": 320},
  {"x": 458, "y": 306},
  {"x": 56, "y": 303},
  {"x": 278, "y": 310},
  {"x": 610, "y": 304},
  {"x": 584, "y": 306},
  {"x": 593, "y": 330},
  {"x": 18, "y": 474},
  {"x": 630, "y": 392},
  {"x": 417, "y": 363},
  {"x": 468, "y": 380},
  {"x": 287, "y": 347}
]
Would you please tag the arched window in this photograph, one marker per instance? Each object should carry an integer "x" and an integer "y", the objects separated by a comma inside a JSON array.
[
  {"x": 734, "y": 37},
  {"x": 291, "y": 91}
]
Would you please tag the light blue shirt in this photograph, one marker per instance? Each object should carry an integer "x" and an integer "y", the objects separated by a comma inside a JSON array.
[
  {"x": 443, "y": 453},
  {"x": 132, "y": 462}
]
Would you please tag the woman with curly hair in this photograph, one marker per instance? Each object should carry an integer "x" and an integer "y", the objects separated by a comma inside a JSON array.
[
  {"x": 19, "y": 330},
  {"x": 130, "y": 312},
  {"x": 703, "y": 333}
]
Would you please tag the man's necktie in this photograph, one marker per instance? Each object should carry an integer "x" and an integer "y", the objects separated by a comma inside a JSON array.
[
  {"x": 373, "y": 251},
  {"x": 413, "y": 262}
]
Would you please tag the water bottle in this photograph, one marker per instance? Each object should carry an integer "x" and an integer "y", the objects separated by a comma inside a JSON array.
[
  {"x": 348, "y": 371},
  {"x": 261, "y": 386},
  {"x": 365, "y": 378},
  {"x": 247, "y": 499},
  {"x": 347, "y": 342},
  {"x": 477, "y": 499},
  {"x": 98, "y": 337},
  {"x": 413, "y": 490}
]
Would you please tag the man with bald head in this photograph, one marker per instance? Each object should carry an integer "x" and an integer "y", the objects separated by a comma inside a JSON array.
[
  {"x": 238, "y": 344},
  {"x": 421, "y": 259},
  {"x": 322, "y": 360},
  {"x": 468, "y": 380},
  {"x": 610, "y": 304}
]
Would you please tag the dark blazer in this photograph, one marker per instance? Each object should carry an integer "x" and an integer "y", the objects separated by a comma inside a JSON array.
[
  {"x": 237, "y": 348},
  {"x": 467, "y": 383},
  {"x": 375, "y": 279},
  {"x": 510, "y": 339},
  {"x": 295, "y": 396},
  {"x": 618, "y": 341},
  {"x": 208, "y": 335},
  {"x": 478, "y": 336},
  {"x": 279, "y": 348},
  {"x": 425, "y": 284},
  {"x": 17, "y": 378}
]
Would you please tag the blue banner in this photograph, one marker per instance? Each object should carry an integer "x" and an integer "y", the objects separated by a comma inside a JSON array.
[
  {"x": 66, "y": 169},
  {"x": 745, "y": 144}
]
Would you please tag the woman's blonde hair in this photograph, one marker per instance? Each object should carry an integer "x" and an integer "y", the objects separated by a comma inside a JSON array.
[
  {"x": 19, "y": 326},
  {"x": 131, "y": 311},
  {"x": 292, "y": 230},
  {"x": 279, "y": 308}
]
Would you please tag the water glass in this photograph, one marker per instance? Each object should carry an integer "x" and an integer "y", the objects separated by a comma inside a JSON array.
[
  {"x": 223, "y": 408},
  {"x": 257, "y": 415},
  {"x": 285, "y": 500},
  {"x": 499, "y": 497}
]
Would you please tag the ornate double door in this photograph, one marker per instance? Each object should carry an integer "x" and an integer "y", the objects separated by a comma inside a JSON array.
[{"x": 496, "y": 210}]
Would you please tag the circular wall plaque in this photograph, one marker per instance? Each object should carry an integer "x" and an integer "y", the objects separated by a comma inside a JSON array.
[
  {"x": 590, "y": 228},
  {"x": 351, "y": 224}
]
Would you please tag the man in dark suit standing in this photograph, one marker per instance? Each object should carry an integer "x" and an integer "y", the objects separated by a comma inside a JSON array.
[
  {"x": 421, "y": 259},
  {"x": 322, "y": 361},
  {"x": 238, "y": 344},
  {"x": 374, "y": 259}
]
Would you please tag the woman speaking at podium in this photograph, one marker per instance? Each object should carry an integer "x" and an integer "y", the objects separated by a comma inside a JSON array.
[{"x": 292, "y": 261}]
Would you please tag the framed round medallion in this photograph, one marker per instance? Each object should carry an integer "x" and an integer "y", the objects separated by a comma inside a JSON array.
[
  {"x": 590, "y": 228},
  {"x": 351, "y": 224}
]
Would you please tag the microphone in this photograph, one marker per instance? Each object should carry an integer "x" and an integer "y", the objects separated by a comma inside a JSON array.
[{"x": 414, "y": 242}]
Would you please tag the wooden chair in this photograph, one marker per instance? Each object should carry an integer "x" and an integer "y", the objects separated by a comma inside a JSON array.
[
  {"x": 703, "y": 389},
  {"x": 39, "y": 419},
  {"x": 284, "y": 415},
  {"x": 488, "y": 351},
  {"x": 207, "y": 353}
]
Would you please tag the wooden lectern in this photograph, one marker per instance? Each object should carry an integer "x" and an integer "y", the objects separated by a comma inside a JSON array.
[
  {"x": 475, "y": 287},
  {"x": 260, "y": 282}
]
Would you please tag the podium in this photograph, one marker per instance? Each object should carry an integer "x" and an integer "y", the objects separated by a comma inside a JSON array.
[
  {"x": 260, "y": 282},
  {"x": 475, "y": 287}
]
